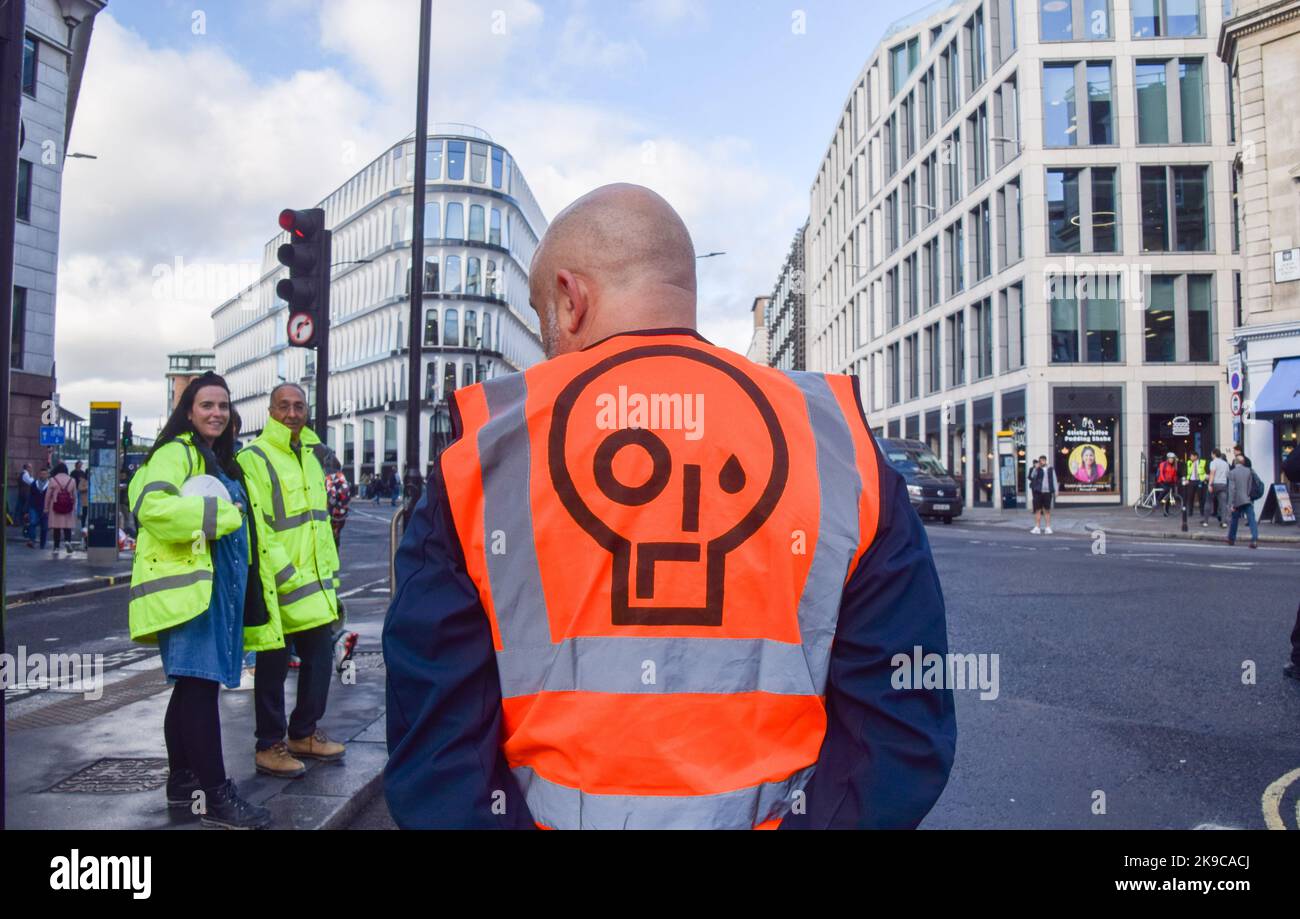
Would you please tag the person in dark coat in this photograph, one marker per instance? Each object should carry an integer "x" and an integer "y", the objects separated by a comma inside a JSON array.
[{"x": 1291, "y": 469}]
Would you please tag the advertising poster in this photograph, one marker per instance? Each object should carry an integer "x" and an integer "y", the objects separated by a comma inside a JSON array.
[{"x": 1086, "y": 454}]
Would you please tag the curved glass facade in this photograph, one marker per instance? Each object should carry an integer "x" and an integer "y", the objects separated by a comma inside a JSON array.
[{"x": 482, "y": 226}]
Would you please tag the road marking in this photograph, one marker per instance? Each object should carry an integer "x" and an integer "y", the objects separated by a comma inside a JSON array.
[
  {"x": 1272, "y": 801},
  {"x": 357, "y": 590},
  {"x": 51, "y": 639}
]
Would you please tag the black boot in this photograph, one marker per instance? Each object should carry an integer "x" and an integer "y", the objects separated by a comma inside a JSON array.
[
  {"x": 227, "y": 810},
  {"x": 181, "y": 785}
]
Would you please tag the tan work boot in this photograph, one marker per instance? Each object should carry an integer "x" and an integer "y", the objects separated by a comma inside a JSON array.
[
  {"x": 276, "y": 761},
  {"x": 317, "y": 746}
]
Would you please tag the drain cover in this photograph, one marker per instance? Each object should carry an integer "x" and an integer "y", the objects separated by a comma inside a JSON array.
[{"x": 115, "y": 777}]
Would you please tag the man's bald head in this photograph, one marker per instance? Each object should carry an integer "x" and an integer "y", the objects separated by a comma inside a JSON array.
[{"x": 618, "y": 259}]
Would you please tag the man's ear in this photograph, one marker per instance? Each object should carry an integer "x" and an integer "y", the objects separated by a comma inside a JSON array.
[{"x": 574, "y": 300}]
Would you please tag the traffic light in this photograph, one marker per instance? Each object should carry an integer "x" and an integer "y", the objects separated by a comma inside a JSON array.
[
  {"x": 306, "y": 290},
  {"x": 126, "y": 436}
]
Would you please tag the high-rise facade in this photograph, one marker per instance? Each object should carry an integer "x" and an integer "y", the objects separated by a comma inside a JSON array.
[
  {"x": 1023, "y": 240},
  {"x": 1261, "y": 46},
  {"x": 787, "y": 345},
  {"x": 55, "y": 47},
  {"x": 481, "y": 227}
]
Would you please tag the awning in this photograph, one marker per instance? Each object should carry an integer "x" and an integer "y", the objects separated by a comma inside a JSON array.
[{"x": 1282, "y": 391}]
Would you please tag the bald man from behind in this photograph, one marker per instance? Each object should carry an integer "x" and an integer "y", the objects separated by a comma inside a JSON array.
[{"x": 655, "y": 585}]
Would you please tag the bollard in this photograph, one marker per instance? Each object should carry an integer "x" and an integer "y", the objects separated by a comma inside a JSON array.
[{"x": 1187, "y": 499}]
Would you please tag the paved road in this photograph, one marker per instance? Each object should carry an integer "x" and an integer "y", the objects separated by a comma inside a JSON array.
[{"x": 1119, "y": 672}]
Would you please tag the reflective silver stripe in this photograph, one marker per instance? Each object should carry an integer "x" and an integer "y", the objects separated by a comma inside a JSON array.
[
  {"x": 619, "y": 665},
  {"x": 563, "y": 808},
  {"x": 838, "y": 531},
  {"x": 285, "y": 575},
  {"x": 504, "y": 457},
  {"x": 280, "y": 524},
  {"x": 210, "y": 517},
  {"x": 302, "y": 593},
  {"x": 277, "y": 493},
  {"x": 171, "y": 582},
  {"x": 153, "y": 486}
]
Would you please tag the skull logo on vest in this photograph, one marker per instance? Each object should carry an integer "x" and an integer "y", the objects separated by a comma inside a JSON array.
[{"x": 668, "y": 504}]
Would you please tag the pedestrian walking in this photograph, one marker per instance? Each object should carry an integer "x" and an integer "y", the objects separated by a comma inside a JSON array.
[
  {"x": 735, "y": 684},
  {"x": 1218, "y": 475},
  {"x": 21, "y": 509},
  {"x": 61, "y": 508},
  {"x": 394, "y": 488},
  {"x": 1244, "y": 489},
  {"x": 40, "y": 521},
  {"x": 82, "y": 478},
  {"x": 188, "y": 590},
  {"x": 339, "y": 494},
  {"x": 286, "y": 486},
  {"x": 1043, "y": 487}
]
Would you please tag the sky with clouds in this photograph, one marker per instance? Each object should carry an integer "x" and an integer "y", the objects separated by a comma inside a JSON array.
[{"x": 208, "y": 118}]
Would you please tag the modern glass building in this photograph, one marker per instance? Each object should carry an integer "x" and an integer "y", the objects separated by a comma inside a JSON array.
[
  {"x": 786, "y": 313},
  {"x": 1023, "y": 240},
  {"x": 481, "y": 227}
]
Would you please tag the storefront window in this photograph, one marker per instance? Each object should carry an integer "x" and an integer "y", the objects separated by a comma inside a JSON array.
[
  {"x": 1087, "y": 454},
  {"x": 1180, "y": 435}
]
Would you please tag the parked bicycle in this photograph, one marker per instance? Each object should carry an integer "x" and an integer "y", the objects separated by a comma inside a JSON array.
[{"x": 1157, "y": 496}]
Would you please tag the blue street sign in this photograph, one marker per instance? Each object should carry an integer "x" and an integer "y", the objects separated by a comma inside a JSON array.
[{"x": 52, "y": 435}]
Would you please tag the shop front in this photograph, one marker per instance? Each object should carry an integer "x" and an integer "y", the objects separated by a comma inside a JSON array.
[
  {"x": 1279, "y": 405},
  {"x": 1087, "y": 444},
  {"x": 1013, "y": 420},
  {"x": 984, "y": 451},
  {"x": 1180, "y": 420}
]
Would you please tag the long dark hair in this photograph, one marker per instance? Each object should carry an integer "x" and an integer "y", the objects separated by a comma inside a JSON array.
[{"x": 223, "y": 448}]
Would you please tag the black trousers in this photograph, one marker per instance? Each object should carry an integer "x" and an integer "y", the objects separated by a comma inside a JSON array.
[
  {"x": 192, "y": 729},
  {"x": 315, "y": 647},
  {"x": 1295, "y": 640}
]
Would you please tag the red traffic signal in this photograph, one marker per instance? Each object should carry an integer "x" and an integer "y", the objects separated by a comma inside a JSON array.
[{"x": 302, "y": 224}]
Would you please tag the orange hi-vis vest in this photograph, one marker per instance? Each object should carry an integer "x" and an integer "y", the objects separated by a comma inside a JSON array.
[{"x": 660, "y": 532}]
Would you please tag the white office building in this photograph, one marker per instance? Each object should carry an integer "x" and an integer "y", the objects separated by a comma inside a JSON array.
[
  {"x": 1023, "y": 239},
  {"x": 481, "y": 228}
]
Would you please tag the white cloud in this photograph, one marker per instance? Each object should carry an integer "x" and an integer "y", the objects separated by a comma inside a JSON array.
[{"x": 670, "y": 12}]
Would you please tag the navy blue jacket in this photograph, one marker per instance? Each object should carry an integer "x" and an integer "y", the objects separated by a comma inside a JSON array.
[{"x": 884, "y": 761}]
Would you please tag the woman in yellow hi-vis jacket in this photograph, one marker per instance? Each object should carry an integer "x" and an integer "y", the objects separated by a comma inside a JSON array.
[{"x": 188, "y": 585}]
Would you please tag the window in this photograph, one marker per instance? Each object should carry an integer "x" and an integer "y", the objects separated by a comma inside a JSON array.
[
  {"x": 912, "y": 285},
  {"x": 1012, "y": 321},
  {"x": 494, "y": 228},
  {"x": 933, "y": 264},
  {"x": 1081, "y": 210},
  {"x": 892, "y": 371},
  {"x": 1180, "y": 319},
  {"x": 973, "y": 35},
  {"x": 1184, "y": 192},
  {"x": 490, "y": 279},
  {"x": 902, "y": 61},
  {"x": 925, "y": 105},
  {"x": 1063, "y": 84},
  {"x": 948, "y": 78},
  {"x": 934, "y": 370},
  {"x": 1236, "y": 209},
  {"x": 476, "y": 232},
  {"x": 1164, "y": 117},
  {"x": 486, "y": 338},
  {"x": 18, "y": 329},
  {"x": 957, "y": 349},
  {"x": 30, "y": 55},
  {"x": 951, "y": 154},
  {"x": 1011, "y": 224},
  {"x": 430, "y": 330},
  {"x": 473, "y": 281},
  {"x": 980, "y": 229},
  {"x": 912, "y": 365},
  {"x": 982, "y": 317},
  {"x": 956, "y": 259},
  {"x": 431, "y": 213},
  {"x": 456, "y": 160},
  {"x": 977, "y": 140},
  {"x": 478, "y": 163},
  {"x": 1006, "y": 123},
  {"x": 448, "y": 378},
  {"x": 24, "y": 211},
  {"x": 1071, "y": 20},
  {"x": 1002, "y": 30},
  {"x": 455, "y": 220},
  {"x": 892, "y": 295},
  {"x": 433, "y": 163},
  {"x": 452, "y": 282},
  {"x": 431, "y": 274},
  {"x": 450, "y": 326},
  {"x": 498, "y": 166},
  {"x": 431, "y": 378},
  {"x": 468, "y": 375},
  {"x": 1167, "y": 18},
  {"x": 1085, "y": 329},
  {"x": 471, "y": 327}
]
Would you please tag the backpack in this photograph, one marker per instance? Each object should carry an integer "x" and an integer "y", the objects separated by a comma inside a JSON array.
[
  {"x": 63, "y": 503},
  {"x": 1256, "y": 486}
]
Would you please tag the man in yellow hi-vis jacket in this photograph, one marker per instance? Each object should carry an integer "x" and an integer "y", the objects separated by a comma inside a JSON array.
[{"x": 295, "y": 544}]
